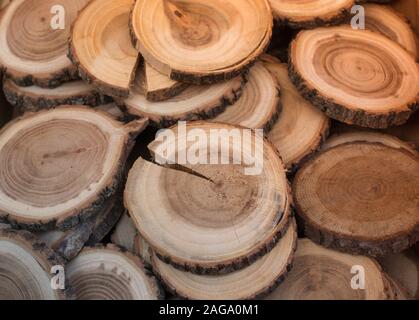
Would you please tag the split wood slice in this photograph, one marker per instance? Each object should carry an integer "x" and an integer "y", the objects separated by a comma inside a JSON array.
[
  {"x": 112, "y": 109},
  {"x": 322, "y": 274},
  {"x": 300, "y": 128},
  {"x": 25, "y": 268},
  {"x": 392, "y": 24},
  {"x": 100, "y": 46},
  {"x": 236, "y": 212},
  {"x": 59, "y": 166},
  {"x": 356, "y": 76},
  {"x": 354, "y": 198},
  {"x": 34, "y": 98},
  {"x": 194, "y": 103},
  {"x": 404, "y": 268},
  {"x": 32, "y": 51},
  {"x": 311, "y": 13},
  {"x": 142, "y": 249},
  {"x": 396, "y": 290},
  {"x": 125, "y": 233},
  {"x": 108, "y": 273},
  {"x": 159, "y": 87},
  {"x": 201, "y": 42},
  {"x": 251, "y": 282},
  {"x": 259, "y": 104}
]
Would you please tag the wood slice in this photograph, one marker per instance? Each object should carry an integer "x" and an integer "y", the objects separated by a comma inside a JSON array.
[
  {"x": 251, "y": 282},
  {"x": 100, "y": 46},
  {"x": 25, "y": 268},
  {"x": 142, "y": 249},
  {"x": 355, "y": 76},
  {"x": 59, "y": 166},
  {"x": 259, "y": 104},
  {"x": 108, "y": 273},
  {"x": 113, "y": 110},
  {"x": 396, "y": 290},
  {"x": 201, "y": 42},
  {"x": 35, "y": 98},
  {"x": 4, "y": 3},
  {"x": 311, "y": 13},
  {"x": 193, "y": 103},
  {"x": 322, "y": 274},
  {"x": 404, "y": 268},
  {"x": 180, "y": 209},
  {"x": 408, "y": 131},
  {"x": 125, "y": 233},
  {"x": 159, "y": 87},
  {"x": 301, "y": 128},
  {"x": 392, "y": 24},
  {"x": 354, "y": 198},
  {"x": 32, "y": 51}
]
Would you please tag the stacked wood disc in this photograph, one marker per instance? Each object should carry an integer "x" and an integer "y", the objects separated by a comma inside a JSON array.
[
  {"x": 323, "y": 274},
  {"x": 125, "y": 233},
  {"x": 248, "y": 283},
  {"x": 108, "y": 273},
  {"x": 301, "y": 128},
  {"x": 25, "y": 268},
  {"x": 201, "y": 42},
  {"x": 355, "y": 76},
  {"x": 59, "y": 167},
  {"x": 351, "y": 196},
  {"x": 236, "y": 212}
]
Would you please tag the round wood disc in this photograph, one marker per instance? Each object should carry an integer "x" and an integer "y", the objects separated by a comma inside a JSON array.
[
  {"x": 322, "y": 274},
  {"x": 108, "y": 273},
  {"x": 354, "y": 198},
  {"x": 59, "y": 166},
  {"x": 34, "y": 98},
  {"x": 193, "y": 103},
  {"x": 311, "y": 13},
  {"x": 32, "y": 51},
  {"x": 248, "y": 283},
  {"x": 300, "y": 128},
  {"x": 25, "y": 268},
  {"x": 236, "y": 215},
  {"x": 259, "y": 104},
  {"x": 356, "y": 76},
  {"x": 392, "y": 24},
  {"x": 199, "y": 41},
  {"x": 100, "y": 46}
]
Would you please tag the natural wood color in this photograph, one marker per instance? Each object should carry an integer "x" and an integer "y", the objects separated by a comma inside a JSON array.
[
  {"x": 108, "y": 273},
  {"x": 334, "y": 69},
  {"x": 32, "y": 52},
  {"x": 125, "y": 233},
  {"x": 322, "y": 274},
  {"x": 193, "y": 103},
  {"x": 396, "y": 290},
  {"x": 251, "y": 282},
  {"x": 311, "y": 13},
  {"x": 100, "y": 46},
  {"x": 259, "y": 104},
  {"x": 201, "y": 42},
  {"x": 25, "y": 268},
  {"x": 179, "y": 209},
  {"x": 353, "y": 198},
  {"x": 60, "y": 166},
  {"x": 301, "y": 128}
]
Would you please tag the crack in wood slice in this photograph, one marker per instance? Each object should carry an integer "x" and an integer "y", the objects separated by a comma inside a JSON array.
[
  {"x": 108, "y": 273},
  {"x": 322, "y": 274},
  {"x": 353, "y": 198},
  {"x": 34, "y": 98},
  {"x": 355, "y": 76},
  {"x": 236, "y": 217},
  {"x": 311, "y": 13},
  {"x": 193, "y": 103},
  {"x": 250, "y": 282},
  {"x": 201, "y": 42},
  {"x": 59, "y": 166},
  {"x": 392, "y": 24},
  {"x": 32, "y": 52},
  {"x": 125, "y": 233},
  {"x": 25, "y": 268},
  {"x": 301, "y": 128},
  {"x": 100, "y": 46},
  {"x": 404, "y": 268},
  {"x": 259, "y": 104}
]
